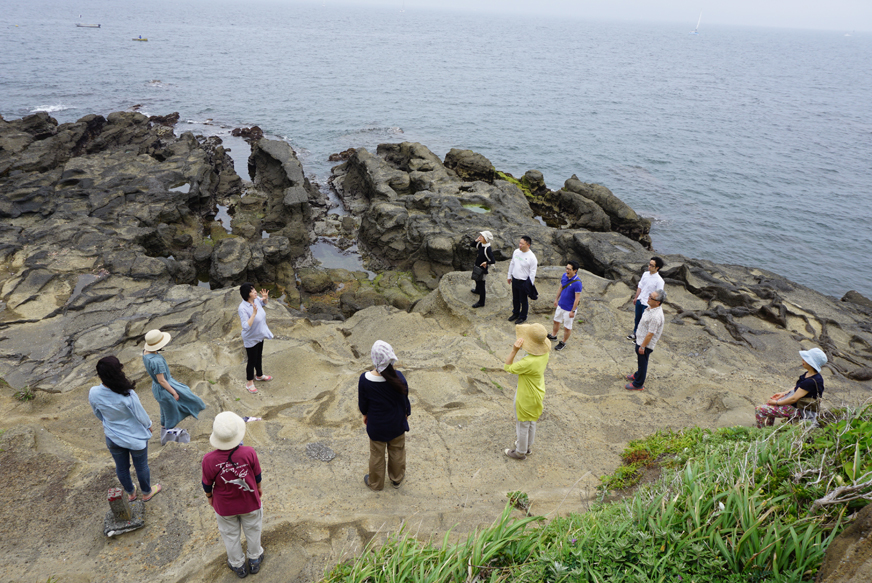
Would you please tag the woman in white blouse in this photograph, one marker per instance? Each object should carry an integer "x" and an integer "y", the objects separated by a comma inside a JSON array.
[{"x": 254, "y": 332}]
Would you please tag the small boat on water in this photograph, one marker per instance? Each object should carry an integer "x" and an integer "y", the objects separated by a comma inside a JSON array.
[
  {"x": 145, "y": 40},
  {"x": 82, "y": 25},
  {"x": 696, "y": 30}
]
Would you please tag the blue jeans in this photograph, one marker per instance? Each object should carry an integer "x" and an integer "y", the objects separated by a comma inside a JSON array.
[
  {"x": 122, "y": 456},
  {"x": 642, "y": 362},
  {"x": 640, "y": 309}
]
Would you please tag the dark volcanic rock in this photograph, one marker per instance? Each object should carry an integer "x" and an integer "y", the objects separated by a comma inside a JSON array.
[
  {"x": 419, "y": 214},
  {"x": 252, "y": 134},
  {"x": 341, "y": 156},
  {"x": 623, "y": 219},
  {"x": 165, "y": 120},
  {"x": 470, "y": 166},
  {"x": 110, "y": 211},
  {"x": 857, "y": 298},
  {"x": 287, "y": 209}
]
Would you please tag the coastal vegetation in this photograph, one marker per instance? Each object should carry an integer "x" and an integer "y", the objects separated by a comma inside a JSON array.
[{"x": 729, "y": 505}]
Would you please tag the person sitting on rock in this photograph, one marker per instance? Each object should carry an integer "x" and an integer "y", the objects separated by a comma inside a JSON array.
[
  {"x": 566, "y": 304},
  {"x": 784, "y": 404},
  {"x": 483, "y": 258}
]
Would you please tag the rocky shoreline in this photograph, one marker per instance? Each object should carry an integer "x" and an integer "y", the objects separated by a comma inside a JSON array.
[{"x": 108, "y": 229}]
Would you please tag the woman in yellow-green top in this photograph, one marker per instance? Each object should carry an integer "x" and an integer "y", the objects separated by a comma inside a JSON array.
[{"x": 531, "y": 384}]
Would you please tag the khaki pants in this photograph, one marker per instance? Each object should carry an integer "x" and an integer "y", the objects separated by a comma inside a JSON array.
[
  {"x": 231, "y": 529},
  {"x": 396, "y": 461}
]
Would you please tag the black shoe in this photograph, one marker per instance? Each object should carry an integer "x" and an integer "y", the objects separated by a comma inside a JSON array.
[
  {"x": 254, "y": 564},
  {"x": 473, "y": 291},
  {"x": 240, "y": 571},
  {"x": 478, "y": 305},
  {"x": 513, "y": 317},
  {"x": 560, "y": 345},
  {"x": 550, "y": 337},
  {"x": 520, "y": 321},
  {"x": 396, "y": 484},
  {"x": 631, "y": 337}
]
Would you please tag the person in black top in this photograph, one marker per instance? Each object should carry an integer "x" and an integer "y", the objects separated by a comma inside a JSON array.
[
  {"x": 383, "y": 399},
  {"x": 810, "y": 384},
  {"x": 483, "y": 258}
]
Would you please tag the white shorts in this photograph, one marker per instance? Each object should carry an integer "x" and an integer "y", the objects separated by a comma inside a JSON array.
[{"x": 563, "y": 316}]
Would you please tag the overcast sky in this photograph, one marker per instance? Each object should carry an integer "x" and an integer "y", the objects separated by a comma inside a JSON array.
[{"x": 839, "y": 15}]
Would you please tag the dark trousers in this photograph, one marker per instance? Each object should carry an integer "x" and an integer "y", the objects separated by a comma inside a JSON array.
[
  {"x": 255, "y": 361},
  {"x": 640, "y": 309},
  {"x": 122, "y": 456},
  {"x": 642, "y": 364},
  {"x": 480, "y": 290},
  {"x": 520, "y": 305}
]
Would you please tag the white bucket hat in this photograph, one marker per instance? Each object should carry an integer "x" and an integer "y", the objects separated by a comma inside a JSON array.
[
  {"x": 814, "y": 357},
  {"x": 228, "y": 429}
]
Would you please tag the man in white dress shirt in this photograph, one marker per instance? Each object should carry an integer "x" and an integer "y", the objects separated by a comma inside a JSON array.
[
  {"x": 647, "y": 334},
  {"x": 522, "y": 276}
]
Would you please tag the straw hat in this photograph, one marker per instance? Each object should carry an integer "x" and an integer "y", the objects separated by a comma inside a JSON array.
[
  {"x": 488, "y": 236},
  {"x": 228, "y": 429},
  {"x": 535, "y": 338},
  {"x": 155, "y": 340},
  {"x": 814, "y": 357}
]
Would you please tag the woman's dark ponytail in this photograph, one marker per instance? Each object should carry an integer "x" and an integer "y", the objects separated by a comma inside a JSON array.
[{"x": 394, "y": 380}]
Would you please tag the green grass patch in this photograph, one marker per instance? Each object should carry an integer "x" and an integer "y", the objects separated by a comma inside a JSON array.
[
  {"x": 731, "y": 505},
  {"x": 509, "y": 178},
  {"x": 25, "y": 394}
]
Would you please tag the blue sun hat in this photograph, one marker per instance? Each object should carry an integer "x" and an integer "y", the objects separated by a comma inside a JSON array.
[{"x": 814, "y": 357}]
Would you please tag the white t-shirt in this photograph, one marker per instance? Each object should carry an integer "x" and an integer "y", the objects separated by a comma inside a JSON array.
[{"x": 648, "y": 285}]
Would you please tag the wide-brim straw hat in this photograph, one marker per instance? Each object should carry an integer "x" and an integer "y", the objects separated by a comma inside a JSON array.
[
  {"x": 155, "y": 340},
  {"x": 228, "y": 429},
  {"x": 535, "y": 338},
  {"x": 815, "y": 357}
]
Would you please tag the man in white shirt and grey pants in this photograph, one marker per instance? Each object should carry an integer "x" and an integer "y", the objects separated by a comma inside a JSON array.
[
  {"x": 522, "y": 268},
  {"x": 647, "y": 334}
]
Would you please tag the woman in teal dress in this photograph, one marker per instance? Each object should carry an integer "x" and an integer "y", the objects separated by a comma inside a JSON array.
[{"x": 175, "y": 399}]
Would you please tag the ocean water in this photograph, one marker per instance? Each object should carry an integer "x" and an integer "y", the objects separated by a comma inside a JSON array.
[{"x": 745, "y": 145}]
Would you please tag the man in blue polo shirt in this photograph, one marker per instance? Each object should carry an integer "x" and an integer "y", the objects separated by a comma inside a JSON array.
[{"x": 566, "y": 303}]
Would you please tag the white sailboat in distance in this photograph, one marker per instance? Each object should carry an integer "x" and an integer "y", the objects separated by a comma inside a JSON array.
[{"x": 696, "y": 30}]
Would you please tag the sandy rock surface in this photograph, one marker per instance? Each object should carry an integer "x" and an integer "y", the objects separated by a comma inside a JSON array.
[
  {"x": 57, "y": 469},
  {"x": 109, "y": 223}
]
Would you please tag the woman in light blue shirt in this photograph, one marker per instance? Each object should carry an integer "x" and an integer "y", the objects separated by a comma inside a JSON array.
[
  {"x": 126, "y": 425},
  {"x": 254, "y": 332}
]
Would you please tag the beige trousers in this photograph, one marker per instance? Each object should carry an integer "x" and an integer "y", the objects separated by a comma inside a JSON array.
[
  {"x": 396, "y": 449},
  {"x": 231, "y": 529}
]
